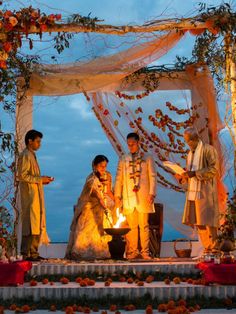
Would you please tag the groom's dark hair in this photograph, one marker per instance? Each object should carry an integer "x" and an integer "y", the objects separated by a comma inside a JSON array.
[
  {"x": 134, "y": 136},
  {"x": 32, "y": 135}
]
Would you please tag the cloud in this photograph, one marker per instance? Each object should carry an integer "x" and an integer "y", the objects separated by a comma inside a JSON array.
[
  {"x": 81, "y": 108},
  {"x": 93, "y": 142}
]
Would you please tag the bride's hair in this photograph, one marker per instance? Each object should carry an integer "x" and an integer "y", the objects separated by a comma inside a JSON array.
[{"x": 97, "y": 160}]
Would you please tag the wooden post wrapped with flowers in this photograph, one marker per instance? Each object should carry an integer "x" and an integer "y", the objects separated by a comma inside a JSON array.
[
  {"x": 7, "y": 240},
  {"x": 226, "y": 237},
  {"x": 16, "y": 24}
]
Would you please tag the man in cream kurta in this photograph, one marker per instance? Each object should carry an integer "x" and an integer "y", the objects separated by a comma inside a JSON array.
[
  {"x": 201, "y": 206},
  {"x": 31, "y": 197},
  {"x": 135, "y": 188}
]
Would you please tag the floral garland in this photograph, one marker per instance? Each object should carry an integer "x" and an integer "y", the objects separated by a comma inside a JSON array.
[
  {"x": 15, "y": 24},
  {"x": 135, "y": 174}
]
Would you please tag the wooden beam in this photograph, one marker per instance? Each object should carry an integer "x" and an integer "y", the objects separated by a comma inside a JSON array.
[{"x": 164, "y": 25}]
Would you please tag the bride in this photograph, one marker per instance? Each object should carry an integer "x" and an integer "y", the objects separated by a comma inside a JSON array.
[{"x": 92, "y": 214}]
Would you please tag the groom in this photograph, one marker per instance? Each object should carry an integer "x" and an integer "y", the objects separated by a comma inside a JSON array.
[{"x": 135, "y": 187}]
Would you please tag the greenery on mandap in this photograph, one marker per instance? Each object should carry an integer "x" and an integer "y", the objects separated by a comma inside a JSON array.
[
  {"x": 7, "y": 239},
  {"x": 226, "y": 230}
]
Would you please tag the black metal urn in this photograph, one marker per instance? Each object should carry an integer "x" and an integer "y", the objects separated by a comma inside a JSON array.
[{"x": 117, "y": 244}]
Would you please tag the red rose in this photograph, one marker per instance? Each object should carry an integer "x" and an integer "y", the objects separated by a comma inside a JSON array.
[
  {"x": 7, "y": 14},
  {"x": 51, "y": 17},
  {"x": 7, "y": 46},
  {"x": 8, "y": 27},
  {"x": 58, "y": 17},
  {"x": 43, "y": 27},
  {"x": 106, "y": 112}
]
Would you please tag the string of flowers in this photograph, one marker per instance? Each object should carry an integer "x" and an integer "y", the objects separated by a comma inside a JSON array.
[{"x": 107, "y": 131}]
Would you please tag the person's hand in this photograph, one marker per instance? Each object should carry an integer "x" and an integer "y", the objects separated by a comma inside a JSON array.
[
  {"x": 151, "y": 199},
  {"x": 181, "y": 178},
  {"x": 47, "y": 180},
  {"x": 189, "y": 174},
  {"x": 178, "y": 177}
]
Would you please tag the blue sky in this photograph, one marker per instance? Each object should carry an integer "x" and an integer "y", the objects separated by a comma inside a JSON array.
[{"x": 72, "y": 135}]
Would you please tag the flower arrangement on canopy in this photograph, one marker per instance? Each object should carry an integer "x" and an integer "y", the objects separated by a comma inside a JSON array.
[{"x": 16, "y": 24}]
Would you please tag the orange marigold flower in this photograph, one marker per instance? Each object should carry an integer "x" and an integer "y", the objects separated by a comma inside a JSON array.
[
  {"x": 162, "y": 307},
  {"x": 171, "y": 305},
  {"x": 107, "y": 283},
  {"x": 25, "y": 308},
  {"x": 113, "y": 307},
  {"x": 45, "y": 281},
  {"x": 91, "y": 282},
  {"x": 33, "y": 283},
  {"x": 177, "y": 280},
  {"x": 83, "y": 283},
  {"x": 149, "y": 309},
  {"x": 53, "y": 308},
  {"x": 78, "y": 279},
  {"x": 69, "y": 310},
  {"x": 149, "y": 279},
  {"x": 182, "y": 302},
  {"x": 12, "y": 307},
  {"x": 64, "y": 280}
]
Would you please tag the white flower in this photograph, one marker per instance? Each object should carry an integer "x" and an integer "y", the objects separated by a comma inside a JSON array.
[{"x": 13, "y": 21}]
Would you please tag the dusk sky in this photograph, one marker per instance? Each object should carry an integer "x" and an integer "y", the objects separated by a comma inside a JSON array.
[{"x": 72, "y": 134}]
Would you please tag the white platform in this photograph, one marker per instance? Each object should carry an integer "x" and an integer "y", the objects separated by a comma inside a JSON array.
[
  {"x": 57, "y": 250},
  {"x": 64, "y": 267}
]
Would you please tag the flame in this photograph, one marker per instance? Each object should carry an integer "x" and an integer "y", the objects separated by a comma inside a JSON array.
[{"x": 121, "y": 218}]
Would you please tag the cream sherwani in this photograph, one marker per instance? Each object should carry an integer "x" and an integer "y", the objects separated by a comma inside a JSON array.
[
  {"x": 135, "y": 204},
  {"x": 31, "y": 199},
  {"x": 203, "y": 211}
]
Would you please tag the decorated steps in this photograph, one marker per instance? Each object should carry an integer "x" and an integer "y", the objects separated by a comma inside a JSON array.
[
  {"x": 114, "y": 282},
  {"x": 63, "y": 267},
  {"x": 117, "y": 290}
]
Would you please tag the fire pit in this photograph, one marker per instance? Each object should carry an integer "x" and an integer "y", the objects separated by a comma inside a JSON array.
[{"x": 117, "y": 244}]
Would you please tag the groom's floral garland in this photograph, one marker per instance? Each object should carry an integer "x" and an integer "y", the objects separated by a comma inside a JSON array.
[{"x": 135, "y": 174}]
